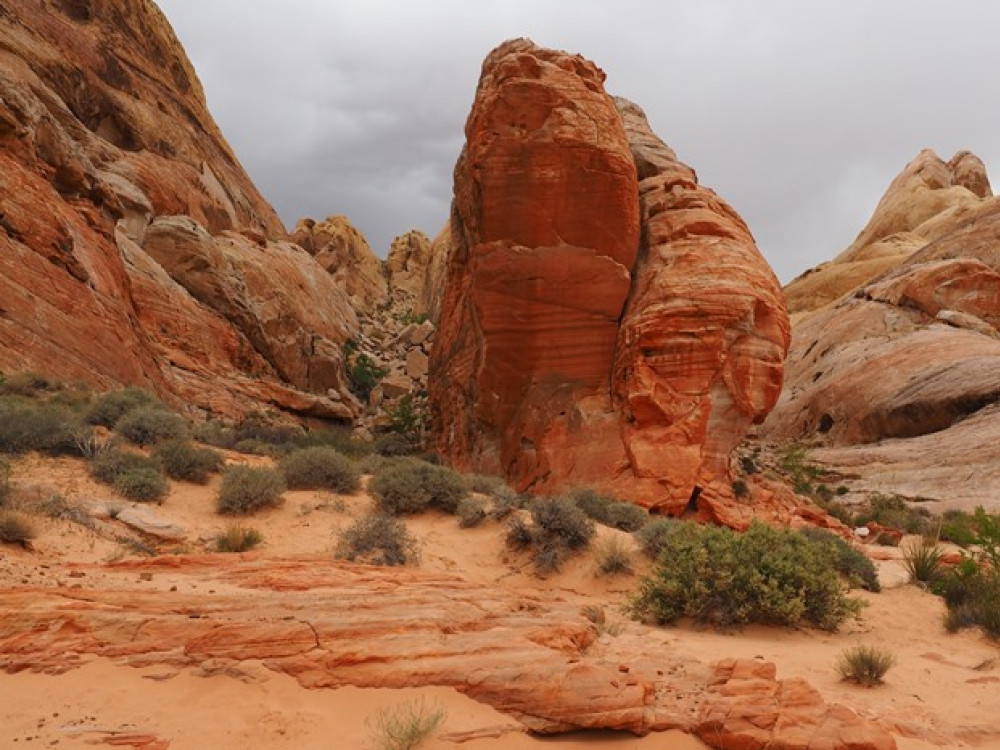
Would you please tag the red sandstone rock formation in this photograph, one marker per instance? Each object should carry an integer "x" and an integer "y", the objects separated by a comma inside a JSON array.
[
  {"x": 567, "y": 353},
  {"x": 899, "y": 379},
  {"x": 104, "y": 136},
  {"x": 328, "y": 624}
]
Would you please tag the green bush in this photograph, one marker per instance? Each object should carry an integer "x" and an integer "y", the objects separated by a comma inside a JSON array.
[
  {"x": 187, "y": 462},
  {"x": 48, "y": 428},
  {"x": 16, "y": 528},
  {"x": 320, "y": 468},
  {"x": 850, "y": 562},
  {"x": 958, "y": 527},
  {"x": 149, "y": 424},
  {"x": 764, "y": 575},
  {"x": 364, "y": 375},
  {"x": 395, "y": 444},
  {"x": 26, "y": 384},
  {"x": 471, "y": 511},
  {"x": 484, "y": 484},
  {"x": 5, "y": 488},
  {"x": 893, "y": 511},
  {"x": 411, "y": 486},
  {"x": 108, "y": 464},
  {"x": 377, "y": 539},
  {"x": 113, "y": 405},
  {"x": 652, "y": 537},
  {"x": 405, "y": 726},
  {"x": 558, "y": 526},
  {"x": 971, "y": 589},
  {"x": 238, "y": 538},
  {"x": 142, "y": 485},
  {"x": 613, "y": 557},
  {"x": 340, "y": 438},
  {"x": 269, "y": 429},
  {"x": 247, "y": 489},
  {"x": 608, "y": 511},
  {"x": 865, "y": 665}
]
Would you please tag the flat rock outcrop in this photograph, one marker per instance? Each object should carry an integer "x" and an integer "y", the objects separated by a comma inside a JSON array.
[
  {"x": 606, "y": 321},
  {"x": 897, "y": 381},
  {"x": 329, "y": 625},
  {"x": 925, "y": 200},
  {"x": 105, "y": 142}
]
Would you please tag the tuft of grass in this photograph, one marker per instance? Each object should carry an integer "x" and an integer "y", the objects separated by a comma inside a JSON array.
[
  {"x": 865, "y": 665},
  {"x": 405, "y": 725},
  {"x": 923, "y": 561},
  {"x": 147, "y": 425},
  {"x": 377, "y": 539},
  {"x": 558, "y": 526},
  {"x": 613, "y": 557},
  {"x": 320, "y": 468},
  {"x": 187, "y": 462},
  {"x": 247, "y": 489},
  {"x": 16, "y": 528},
  {"x": 238, "y": 538}
]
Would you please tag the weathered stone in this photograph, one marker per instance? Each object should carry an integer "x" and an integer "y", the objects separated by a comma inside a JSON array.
[
  {"x": 406, "y": 266},
  {"x": 416, "y": 364}
]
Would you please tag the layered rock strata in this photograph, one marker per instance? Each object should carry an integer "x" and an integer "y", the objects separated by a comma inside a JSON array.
[
  {"x": 606, "y": 321},
  {"x": 111, "y": 165}
]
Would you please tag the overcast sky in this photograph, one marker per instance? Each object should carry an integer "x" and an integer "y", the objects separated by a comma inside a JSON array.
[{"x": 799, "y": 113}]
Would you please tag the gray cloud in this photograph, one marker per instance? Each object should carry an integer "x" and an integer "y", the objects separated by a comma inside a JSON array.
[{"x": 798, "y": 113}]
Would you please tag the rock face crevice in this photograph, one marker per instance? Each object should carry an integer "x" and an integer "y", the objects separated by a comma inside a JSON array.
[{"x": 606, "y": 321}]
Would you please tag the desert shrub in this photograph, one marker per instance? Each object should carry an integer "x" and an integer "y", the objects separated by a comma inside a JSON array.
[
  {"x": 839, "y": 511},
  {"x": 609, "y": 511},
  {"x": 247, "y": 489},
  {"x": 113, "y": 405},
  {"x": 504, "y": 502},
  {"x": 893, "y": 511},
  {"x": 362, "y": 371},
  {"x": 395, "y": 444},
  {"x": 850, "y": 562},
  {"x": 45, "y": 427},
  {"x": 558, "y": 526},
  {"x": 268, "y": 429},
  {"x": 26, "y": 384},
  {"x": 238, "y": 538},
  {"x": 320, "y": 468},
  {"x": 971, "y": 589},
  {"x": 740, "y": 488},
  {"x": 340, "y": 437},
  {"x": 150, "y": 424},
  {"x": 253, "y": 447},
  {"x": 613, "y": 556},
  {"x": 406, "y": 725},
  {"x": 764, "y": 575},
  {"x": 187, "y": 462},
  {"x": 412, "y": 486},
  {"x": 958, "y": 527},
  {"x": 109, "y": 464},
  {"x": 144, "y": 485},
  {"x": 483, "y": 483},
  {"x": 865, "y": 665},
  {"x": 377, "y": 539},
  {"x": 471, "y": 511},
  {"x": 215, "y": 433},
  {"x": 5, "y": 488},
  {"x": 923, "y": 561},
  {"x": 652, "y": 537},
  {"x": 408, "y": 417},
  {"x": 16, "y": 528}
]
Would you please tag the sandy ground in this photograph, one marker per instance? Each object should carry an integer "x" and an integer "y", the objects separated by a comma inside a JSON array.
[{"x": 943, "y": 692}]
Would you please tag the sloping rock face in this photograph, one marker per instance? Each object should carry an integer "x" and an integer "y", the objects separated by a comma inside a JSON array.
[
  {"x": 570, "y": 352},
  {"x": 925, "y": 200},
  {"x": 329, "y": 625},
  {"x": 406, "y": 266},
  {"x": 104, "y": 135},
  {"x": 899, "y": 379},
  {"x": 343, "y": 251}
]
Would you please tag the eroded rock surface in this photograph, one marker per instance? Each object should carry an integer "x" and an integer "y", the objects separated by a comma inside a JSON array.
[
  {"x": 897, "y": 381},
  {"x": 105, "y": 139},
  {"x": 329, "y": 625},
  {"x": 570, "y": 350}
]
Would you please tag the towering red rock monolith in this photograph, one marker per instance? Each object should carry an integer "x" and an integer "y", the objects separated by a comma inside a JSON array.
[{"x": 572, "y": 352}]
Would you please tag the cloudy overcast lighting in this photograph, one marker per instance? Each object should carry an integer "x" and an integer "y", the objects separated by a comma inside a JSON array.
[{"x": 797, "y": 113}]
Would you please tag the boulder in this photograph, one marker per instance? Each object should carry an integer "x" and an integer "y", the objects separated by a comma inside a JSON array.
[{"x": 407, "y": 264}]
